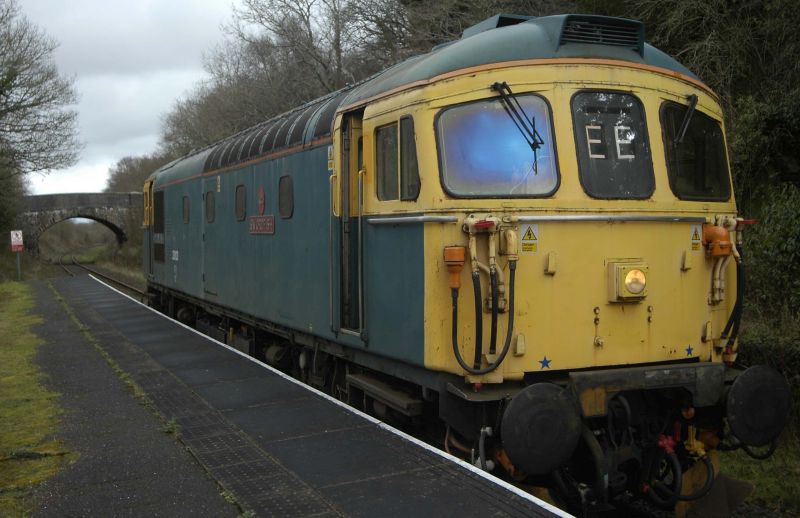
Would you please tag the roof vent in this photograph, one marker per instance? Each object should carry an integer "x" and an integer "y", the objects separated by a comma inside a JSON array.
[
  {"x": 603, "y": 30},
  {"x": 495, "y": 22}
]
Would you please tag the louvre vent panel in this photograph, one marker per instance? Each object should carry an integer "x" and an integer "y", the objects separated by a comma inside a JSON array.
[{"x": 602, "y": 33}]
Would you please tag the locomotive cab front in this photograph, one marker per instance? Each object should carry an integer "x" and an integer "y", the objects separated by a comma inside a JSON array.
[{"x": 582, "y": 258}]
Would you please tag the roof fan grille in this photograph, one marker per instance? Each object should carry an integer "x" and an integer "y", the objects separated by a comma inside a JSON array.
[{"x": 586, "y": 31}]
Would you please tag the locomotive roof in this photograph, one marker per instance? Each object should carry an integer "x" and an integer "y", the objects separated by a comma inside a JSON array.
[
  {"x": 501, "y": 38},
  {"x": 504, "y": 38}
]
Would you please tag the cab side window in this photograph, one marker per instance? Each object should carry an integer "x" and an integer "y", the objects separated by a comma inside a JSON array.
[{"x": 397, "y": 170}]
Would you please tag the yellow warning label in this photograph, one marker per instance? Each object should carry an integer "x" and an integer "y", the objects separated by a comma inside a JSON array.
[
  {"x": 696, "y": 233},
  {"x": 530, "y": 239},
  {"x": 529, "y": 235}
]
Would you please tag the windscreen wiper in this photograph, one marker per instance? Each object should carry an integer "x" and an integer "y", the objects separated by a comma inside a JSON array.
[
  {"x": 525, "y": 126},
  {"x": 686, "y": 118}
]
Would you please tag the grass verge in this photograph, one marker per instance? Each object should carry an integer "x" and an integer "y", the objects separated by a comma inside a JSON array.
[
  {"x": 29, "y": 413},
  {"x": 774, "y": 340},
  {"x": 31, "y": 268},
  {"x": 775, "y": 479}
]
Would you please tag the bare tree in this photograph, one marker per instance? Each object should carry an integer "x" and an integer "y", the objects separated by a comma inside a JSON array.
[
  {"x": 282, "y": 53},
  {"x": 38, "y": 131},
  {"x": 130, "y": 172},
  {"x": 317, "y": 34},
  {"x": 432, "y": 23}
]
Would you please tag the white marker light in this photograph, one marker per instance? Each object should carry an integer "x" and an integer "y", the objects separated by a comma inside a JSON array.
[{"x": 635, "y": 281}]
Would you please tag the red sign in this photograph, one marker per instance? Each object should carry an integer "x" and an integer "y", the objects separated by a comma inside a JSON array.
[
  {"x": 16, "y": 241},
  {"x": 261, "y": 201},
  {"x": 262, "y": 224}
]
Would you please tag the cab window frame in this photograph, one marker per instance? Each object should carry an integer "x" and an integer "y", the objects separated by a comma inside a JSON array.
[
  {"x": 650, "y": 169},
  {"x": 556, "y": 159},
  {"x": 671, "y": 176},
  {"x": 407, "y": 183}
]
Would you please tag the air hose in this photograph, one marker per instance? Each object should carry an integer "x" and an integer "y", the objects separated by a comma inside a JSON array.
[
  {"x": 760, "y": 455},
  {"x": 703, "y": 491},
  {"x": 476, "y": 289},
  {"x": 735, "y": 319},
  {"x": 512, "y": 265},
  {"x": 731, "y": 329},
  {"x": 671, "y": 497},
  {"x": 671, "y": 493},
  {"x": 494, "y": 295},
  {"x": 485, "y": 432}
]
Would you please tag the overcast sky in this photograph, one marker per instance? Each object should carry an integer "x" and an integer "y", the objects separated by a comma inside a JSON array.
[{"x": 131, "y": 59}]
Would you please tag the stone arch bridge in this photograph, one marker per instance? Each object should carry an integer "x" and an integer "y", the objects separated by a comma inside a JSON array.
[{"x": 120, "y": 212}]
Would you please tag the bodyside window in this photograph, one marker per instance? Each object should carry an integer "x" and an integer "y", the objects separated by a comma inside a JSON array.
[{"x": 241, "y": 202}]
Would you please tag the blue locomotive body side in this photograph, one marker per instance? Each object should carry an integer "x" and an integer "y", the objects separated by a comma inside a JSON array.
[{"x": 284, "y": 277}]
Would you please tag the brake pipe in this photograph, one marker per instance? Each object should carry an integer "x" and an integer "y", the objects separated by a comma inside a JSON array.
[
  {"x": 494, "y": 302},
  {"x": 512, "y": 264},
  {"x": 501, "y": 280},
  {"x": 454, "y": 259},
  {"x": 667, "y": 445},
  {"x": 476, "y": 288},
  {"x": 732, "y": 326},
  {"x": 703, "y": 491}
]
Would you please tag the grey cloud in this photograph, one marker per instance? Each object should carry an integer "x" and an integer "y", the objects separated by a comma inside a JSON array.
[
  {"x": 129, "y": 37},
  {"x": 131, "y": 60}
]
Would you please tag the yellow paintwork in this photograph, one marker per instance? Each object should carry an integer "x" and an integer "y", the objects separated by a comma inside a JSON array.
[
  {"x": 556, "y": 309},
  {"x": 147, "y": 216}
]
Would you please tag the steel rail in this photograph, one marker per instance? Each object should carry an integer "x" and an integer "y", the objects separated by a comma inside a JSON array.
[{"x": 107, "y": 277}]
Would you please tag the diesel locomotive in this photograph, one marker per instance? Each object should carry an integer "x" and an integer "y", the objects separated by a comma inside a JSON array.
[{"x": 528, "y": 233}]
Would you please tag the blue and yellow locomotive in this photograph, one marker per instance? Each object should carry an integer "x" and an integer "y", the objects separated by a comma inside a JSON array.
[{"x": 572, "y": 177}]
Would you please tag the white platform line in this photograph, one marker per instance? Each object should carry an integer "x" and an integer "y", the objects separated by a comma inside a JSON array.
[{"x": 469, "y": 467}]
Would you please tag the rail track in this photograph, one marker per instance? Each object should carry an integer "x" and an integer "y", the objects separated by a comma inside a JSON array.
[{"x": 129, "y": 288}]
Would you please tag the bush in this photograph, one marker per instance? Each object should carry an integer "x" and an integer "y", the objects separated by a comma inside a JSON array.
[{"x": 772, "y": 255}]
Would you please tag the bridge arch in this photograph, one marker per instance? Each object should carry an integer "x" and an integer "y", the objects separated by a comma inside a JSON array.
[{"x": 119, "y": 212}]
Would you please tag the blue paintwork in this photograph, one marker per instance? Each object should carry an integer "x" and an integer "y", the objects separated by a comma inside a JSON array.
[{"x": 284, "y": 278}]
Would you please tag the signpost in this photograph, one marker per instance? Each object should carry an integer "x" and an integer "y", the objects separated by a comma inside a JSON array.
[{"x": 17, "y": 247}]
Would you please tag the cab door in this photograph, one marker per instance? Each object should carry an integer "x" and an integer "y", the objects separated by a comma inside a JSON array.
[
  {"x": 211, "y": 235},
  {"x": 147, "y": 222},
  {"x": 351, "y": 203}
]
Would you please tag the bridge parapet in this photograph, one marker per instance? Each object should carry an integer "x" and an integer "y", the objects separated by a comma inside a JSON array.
[
  {"x": 120, "y": 212},
  {"x": 43, "y": 202}
]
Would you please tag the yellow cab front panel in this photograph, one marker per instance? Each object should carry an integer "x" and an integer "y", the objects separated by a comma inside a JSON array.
[{"x": 573, "y": 244}]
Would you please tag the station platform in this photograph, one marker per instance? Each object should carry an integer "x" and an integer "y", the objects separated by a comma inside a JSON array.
[{"x": 279, "y": 447}]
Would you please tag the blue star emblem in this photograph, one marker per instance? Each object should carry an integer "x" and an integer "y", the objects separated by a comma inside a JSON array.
[
  {"x": 545, "y": 363},
  {"x": 689, "y": 351}
]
